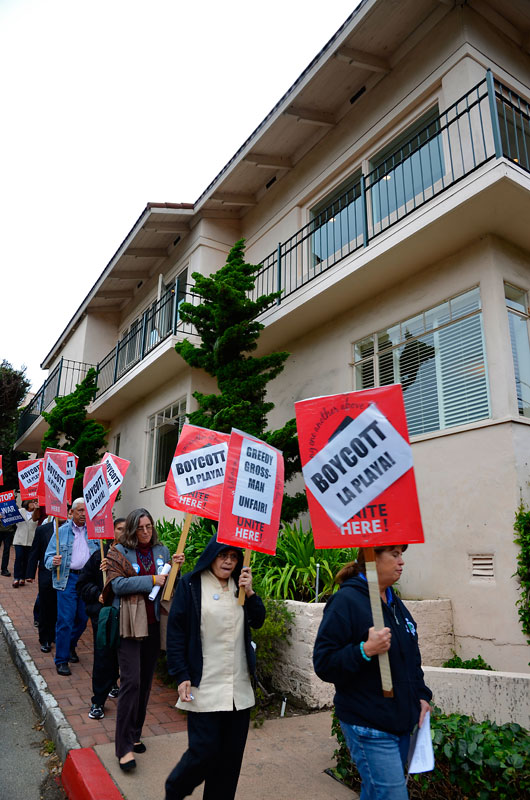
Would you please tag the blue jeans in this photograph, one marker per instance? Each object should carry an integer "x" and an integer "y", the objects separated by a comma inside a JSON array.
[
  {"x": 71, "y": 620},
  {"x": 380, "y": 758}
]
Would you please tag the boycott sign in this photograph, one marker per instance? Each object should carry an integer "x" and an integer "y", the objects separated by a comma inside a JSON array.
[
  {"x": 71, "y": 467},
  {"x": 252, "y": 494},
  {"x": 99, "y": 523},
  {"x": 116, "y": 469},
  {"x": 28, "y": 477},
  {"x": 55, "y": 477},
  {"x": 8, "y": 509},
  {"x": 195, "y": 480},
  {"x": 357, "y": 466}
]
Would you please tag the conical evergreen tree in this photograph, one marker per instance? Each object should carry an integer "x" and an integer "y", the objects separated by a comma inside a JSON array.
[
  {"x": 71, "y": 430},
  {"x": 229, "y": 331}
]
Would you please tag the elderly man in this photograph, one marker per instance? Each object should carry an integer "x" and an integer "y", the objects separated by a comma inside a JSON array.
[{"x": 74, "y": 551}]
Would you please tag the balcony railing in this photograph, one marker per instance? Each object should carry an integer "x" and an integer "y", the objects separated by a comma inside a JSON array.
[
  {"x": 490, "y": 121},
  {"x": 61, "y": 381},
  {"x": 159, "y": 322}
]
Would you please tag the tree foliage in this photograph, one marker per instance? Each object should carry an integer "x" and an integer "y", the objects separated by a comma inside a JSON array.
[
  {"x": 226, "y": 321},
  {"x": 69, "y": 428},
  {"x": 13, "y": 388}
]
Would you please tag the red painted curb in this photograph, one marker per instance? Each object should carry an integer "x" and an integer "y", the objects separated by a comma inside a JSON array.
[{"x": 85, "y": 778}]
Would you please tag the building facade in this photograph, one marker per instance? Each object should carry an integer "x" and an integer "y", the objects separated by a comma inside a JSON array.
[{"x": 386, "y": 195}]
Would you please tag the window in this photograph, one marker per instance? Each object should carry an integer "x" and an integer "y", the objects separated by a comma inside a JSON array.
[
  {"x": 438, "y": 357},
  {"x": 408, "y": 168},
  {"x": 117, "y": 440},
  {"x": 163, "y": 431},
  {"x": 517, "y": 306},
  {"x": 337, "y": 222}
]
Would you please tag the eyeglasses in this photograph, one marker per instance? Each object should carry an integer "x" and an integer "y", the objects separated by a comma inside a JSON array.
[
  {"x": 146, "y": 528},
  {"x": 227, "y": 557}
]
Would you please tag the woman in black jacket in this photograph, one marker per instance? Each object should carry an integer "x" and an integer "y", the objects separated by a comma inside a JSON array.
[
  {"x": 376, "y": 728},
  {"x": 209, "y": 650}
]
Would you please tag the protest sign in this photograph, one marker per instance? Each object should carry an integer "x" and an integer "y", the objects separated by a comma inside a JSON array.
[
  {"x": 252, "y": 494},
  {"x": 71, "y": 467},
  {"x": 99, "y": 523},
  {"x": 1, "y": 473},
  {"x": 29, "y": 473},
  {"x": 195, "y": 480},
  {"x": 357, "y": 466},
  {"x": 8, "y": 509},
  {"x": 55, "y": 479},
  {"x": 116, "y": 469}
]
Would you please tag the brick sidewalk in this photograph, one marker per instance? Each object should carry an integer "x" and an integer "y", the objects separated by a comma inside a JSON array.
[{"x": 73, "y": 693}]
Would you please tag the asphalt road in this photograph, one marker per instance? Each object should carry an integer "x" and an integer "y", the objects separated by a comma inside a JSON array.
[{"x": 24, "y": 773}]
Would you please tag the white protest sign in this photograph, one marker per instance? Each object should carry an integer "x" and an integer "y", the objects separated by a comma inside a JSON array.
[
  {"x": 256, "y": 479},
  {"x": 114, "y": 476},
  {"x": 30, "y": 475},
  {"x": 200, "y": 468},
  {"x": 70, "y": 467},
  {"x": 357, "y": 465},
  {"x": 96, "y": 493},
  {"x": 55, "y": 479}
]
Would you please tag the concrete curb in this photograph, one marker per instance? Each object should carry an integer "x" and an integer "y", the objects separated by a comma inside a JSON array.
[{"x": 53, "y": 719}]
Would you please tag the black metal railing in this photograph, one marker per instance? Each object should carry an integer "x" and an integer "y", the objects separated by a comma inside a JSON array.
[
  {"x": 489, "y": 121},
  {"x": 62, "y": 380},
  {"x": 157, "y": 323}
]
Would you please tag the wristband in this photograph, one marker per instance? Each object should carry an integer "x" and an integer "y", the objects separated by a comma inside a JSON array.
[
  {"x": 366, "y": 658},
  {"x": 154, "y": 580}
]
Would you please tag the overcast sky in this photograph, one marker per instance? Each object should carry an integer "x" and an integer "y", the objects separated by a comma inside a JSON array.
[{"x": 110, "y": 104}]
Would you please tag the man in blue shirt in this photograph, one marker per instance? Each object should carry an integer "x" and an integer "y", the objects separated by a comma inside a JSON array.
[{"x": 74, "y": 551}]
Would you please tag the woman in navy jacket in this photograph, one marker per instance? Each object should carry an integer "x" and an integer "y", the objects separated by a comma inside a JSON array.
[
  {"x": 209, "y": 651},
  {"x": 376, "y": 728}
]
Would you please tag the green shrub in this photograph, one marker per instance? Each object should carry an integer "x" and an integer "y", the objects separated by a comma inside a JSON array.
[
  {"x": 471, "y": 663},
  {"x": 476, "y": 760}
]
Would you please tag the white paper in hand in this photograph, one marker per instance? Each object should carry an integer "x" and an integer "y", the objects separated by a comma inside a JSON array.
[{"x": 423, "y": 756}]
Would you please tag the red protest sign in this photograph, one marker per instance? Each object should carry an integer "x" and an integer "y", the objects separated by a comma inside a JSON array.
[
  {"x": 252, "y": 494},
  {"x": 55, "y": 480},
  {"x": 357, "y": 465},
  {"x": 29, "y": 473},
  {"x": 197, "y": 473},
  {"x": 71, "y": 468},
  {"x": 116, "y": 469},
  {"x": 98, "y": 506}
]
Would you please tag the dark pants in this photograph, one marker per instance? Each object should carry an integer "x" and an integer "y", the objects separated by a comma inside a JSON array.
[
  {"x": 21, "y": 562},
  {"x": 71, "y": 619},
  {"x": 47, "y": 613},
  {"x": 137, "y": 660},
  {"x": 105, "y": 669},
  {"x": 216, "y": 743},
  {"x": 6, "y": 537}
]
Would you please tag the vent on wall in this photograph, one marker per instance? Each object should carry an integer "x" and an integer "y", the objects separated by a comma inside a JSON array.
[{"x": 482, "y": 566}]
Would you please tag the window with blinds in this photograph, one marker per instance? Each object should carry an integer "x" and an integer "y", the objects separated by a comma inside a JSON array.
[
  {"x": 438, "y": 356},
  {"x": 163, "y": 431},
  {"x": 517, "y": 306}
]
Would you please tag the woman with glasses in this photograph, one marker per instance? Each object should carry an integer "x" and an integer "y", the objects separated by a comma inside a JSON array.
[
  {"x": 133, "y": 567},
  {"x": 210, "y": 652}
]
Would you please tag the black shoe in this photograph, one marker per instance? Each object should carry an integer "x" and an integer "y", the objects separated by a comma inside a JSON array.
[
  {"x": 114, "y": 692},
  {"x": 36, "y": 623},
  {"x": 46, "y": 648},
  {"x": 96, "y": 712},
  {"x": 128, "y": 766},
  {"x": 63, "y": 668},
  {"x": 139, "y": 748},
  {"x": 74, "y": 658},
  {"x": 6, "y": 573}
]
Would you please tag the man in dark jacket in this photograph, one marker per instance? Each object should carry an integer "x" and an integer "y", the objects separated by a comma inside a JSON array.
[
  {"x": 105, "y": 670},
  {"x": 47, "y": 594}
]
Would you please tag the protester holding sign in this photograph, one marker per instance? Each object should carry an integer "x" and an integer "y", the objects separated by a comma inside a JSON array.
[
  {"x": 23, "y": 540},
  {"x": 6, "y": 538},
  {"x": 209, "y": 650},
  {"x": 134, "y": 566},
  {"x": 74, "y": 551},
  {"x": 376, "y": 728}
]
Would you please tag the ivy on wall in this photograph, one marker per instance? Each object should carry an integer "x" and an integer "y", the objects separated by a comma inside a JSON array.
[{"x": 522, "y": 538}]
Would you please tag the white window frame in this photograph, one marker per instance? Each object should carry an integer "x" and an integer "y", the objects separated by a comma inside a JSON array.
[{"x": 173, "y": 414}]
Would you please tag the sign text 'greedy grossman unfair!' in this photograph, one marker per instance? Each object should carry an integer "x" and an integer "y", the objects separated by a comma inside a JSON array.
[
  {"x": 256, "y": 480},
  {"x": 357, "y": 465}
]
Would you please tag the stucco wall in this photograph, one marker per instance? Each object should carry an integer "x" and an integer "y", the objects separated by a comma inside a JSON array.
[{"x": 294, "y": 673}]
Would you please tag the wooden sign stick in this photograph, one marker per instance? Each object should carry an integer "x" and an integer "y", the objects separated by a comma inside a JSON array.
[
  {"x": 172, "y": 577},
  {"x": 57, "y": 541},
  {"x": 102, "y": 557},
  {"x": 377, "y": 614},
  {"x": 247, "y": 555}
]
